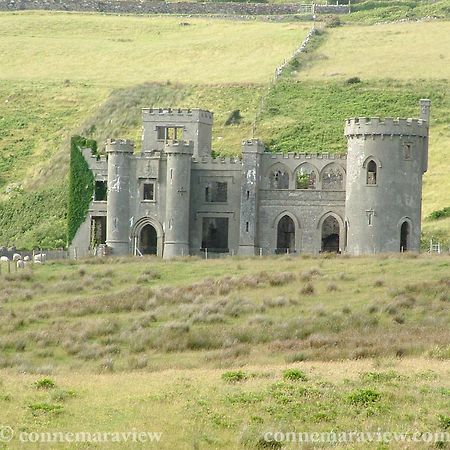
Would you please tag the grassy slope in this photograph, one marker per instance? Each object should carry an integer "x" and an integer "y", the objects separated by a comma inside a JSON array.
[
  {"x": 165, "y": 332},
  {"x": 57, "y": 83}
]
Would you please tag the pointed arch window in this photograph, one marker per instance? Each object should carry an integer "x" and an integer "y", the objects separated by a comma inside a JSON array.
[{"x": 372, "y": 173}]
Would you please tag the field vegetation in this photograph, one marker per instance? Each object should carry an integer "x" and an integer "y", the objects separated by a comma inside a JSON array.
[{"x": 214, "y": 353}]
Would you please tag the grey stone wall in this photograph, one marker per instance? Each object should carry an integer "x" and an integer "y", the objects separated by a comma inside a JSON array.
[{"x": 160, "y": 7}]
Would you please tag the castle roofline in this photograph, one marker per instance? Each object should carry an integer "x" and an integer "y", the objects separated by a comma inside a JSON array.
[{"x": 385, "y": 126}]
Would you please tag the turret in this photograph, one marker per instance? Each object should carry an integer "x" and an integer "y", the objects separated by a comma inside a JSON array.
[
  {"x": 179, "y": 158},
  {"x": 161, "y": 125},
  {"x": 385, "y": 162},
  {"x": 118, "y": 207},
  {"x": 251, "y": 177}
]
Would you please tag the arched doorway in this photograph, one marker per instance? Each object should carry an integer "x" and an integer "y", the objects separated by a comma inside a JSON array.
[
  {"x": 330, "y": 235},
  {"x": 148, "y": 240},
  {"x": 404, "y": 236},
  {"x": 285, "y": 235}
]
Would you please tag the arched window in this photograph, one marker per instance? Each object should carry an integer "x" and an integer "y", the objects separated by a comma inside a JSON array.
[
  {"x": 279, "y": 178},
  {"x": 333, "y": 178},
  {"x": 306, "y": 177},
  {"x": 371, "y": 172}
]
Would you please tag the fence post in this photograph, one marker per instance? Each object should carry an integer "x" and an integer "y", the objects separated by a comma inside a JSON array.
[{"x": 206, "y": 253}]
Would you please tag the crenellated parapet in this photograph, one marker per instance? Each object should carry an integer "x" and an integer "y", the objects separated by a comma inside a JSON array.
[
  {"x": 219, "y": 161},
  {"x": 179, "y": 147},
  {"x": 375, "y": 126},
  {"x": 175, "y": 114},
  {"x": 305, "y": 156}
]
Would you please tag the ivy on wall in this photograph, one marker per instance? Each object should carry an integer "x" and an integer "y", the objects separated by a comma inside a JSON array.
[{"x": 81, "y": 184}]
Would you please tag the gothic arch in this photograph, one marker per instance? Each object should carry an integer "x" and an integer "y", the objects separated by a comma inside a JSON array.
[
  {"x": 334, "y": 184},
  {"x": 278, "y": 176},
  {"x": 307, "y": 168},
  {"x": 405, "y": 228},
  {"x": 331, "y": 241},
  {"x": 297, "y": 229},
  {"x": 137, "y": 231}
]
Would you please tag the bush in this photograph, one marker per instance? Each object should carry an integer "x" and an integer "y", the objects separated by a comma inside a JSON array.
[
  {"x": 44, "y": 383},
  {"x": 353, "y": 80},
  {"x": 363, "y": 397},
  {"x": 234, "y": 376},
  {"x": 294, "y": 375}
]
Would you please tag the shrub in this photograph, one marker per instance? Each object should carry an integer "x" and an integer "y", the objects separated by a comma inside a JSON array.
[
  {"x": 444, "y": 421},
  {"x": 294, "y": 375},
  {"x": 44, "y": 383},
  {"x": 363, "y": 397},
  {"x": 307, "y": 289},
  {"x": 43, "y": 407},
  {"x": 234, "y": 118},
  {"x": 234, "y": 376},
  {"x": 332, "y": 21},
  {"x": 353, "y": 80}
]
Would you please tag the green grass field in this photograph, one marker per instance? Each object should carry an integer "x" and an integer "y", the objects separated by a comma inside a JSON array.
[
  {"x": 198, "y": 350},
  {"x": 401, "y": 51},
  {"x": 130, "y": 50}
]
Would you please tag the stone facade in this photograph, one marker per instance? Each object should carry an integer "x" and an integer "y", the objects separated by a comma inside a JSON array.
[{"x": 175, "y": 199}]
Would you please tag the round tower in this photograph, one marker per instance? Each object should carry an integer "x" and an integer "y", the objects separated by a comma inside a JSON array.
[
  {"x": 385, "y": 162},
  {"x": 118, "y": 202},
  {"x": 179, "y": 158}
]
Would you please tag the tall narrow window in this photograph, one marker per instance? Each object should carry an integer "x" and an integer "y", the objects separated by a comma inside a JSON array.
[{"x": 372, "y": 172}]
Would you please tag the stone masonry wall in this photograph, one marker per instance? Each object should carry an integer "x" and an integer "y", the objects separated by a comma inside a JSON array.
[{"x": 160, "y": 7}]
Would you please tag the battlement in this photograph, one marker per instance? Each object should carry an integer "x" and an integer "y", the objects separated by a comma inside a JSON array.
[
  {"x": 177, "y": 114},
  {"x": 181, "y": 147},
  {"x": 119, "y": 145},
  {"x": 306, "y": 156},
  {"x": 372, "y": 126},
  {"x": 221, "y": 161}
]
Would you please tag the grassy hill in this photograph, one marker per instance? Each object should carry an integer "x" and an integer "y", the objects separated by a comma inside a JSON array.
[
  {"x": 75, "y": 73},
  {"x": 214, "y": 353},
  {"x": 57, "y": 83}
]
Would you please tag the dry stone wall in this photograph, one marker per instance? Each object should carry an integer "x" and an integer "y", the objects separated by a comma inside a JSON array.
[{"x": 160, "y": 7}]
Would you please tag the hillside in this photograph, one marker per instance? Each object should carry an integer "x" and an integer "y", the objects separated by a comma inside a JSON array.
[
  {"x": 56, "y": 84},
  {"x": 215, "y": 353}
]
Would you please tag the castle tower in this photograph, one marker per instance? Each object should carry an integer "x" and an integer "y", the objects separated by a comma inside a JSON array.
[
  {"x": 161, "y": 125},
  {"x": 385, "y": 162},
  {"x": 118, "y": 210},
  {"x": 251, "y": 177},
  {"x": 179, "y": 158}
]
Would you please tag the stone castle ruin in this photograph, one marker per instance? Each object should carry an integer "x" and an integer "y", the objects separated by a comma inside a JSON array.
[{"x": 174, "y": 199}]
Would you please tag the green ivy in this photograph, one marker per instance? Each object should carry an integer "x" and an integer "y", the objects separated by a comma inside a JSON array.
[{"x": 81, "y": 184}]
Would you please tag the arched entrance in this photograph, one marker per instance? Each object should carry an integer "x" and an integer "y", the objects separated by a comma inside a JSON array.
[
  {"x": 404, "y": 236},
  {"x": 148, "y": 240},
  {"x": 285, "y": 235},
  {"x": 330, "y": 235}
]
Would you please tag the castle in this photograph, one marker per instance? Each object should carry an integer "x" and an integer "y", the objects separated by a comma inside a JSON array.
[{"x": 173, "y": 198}]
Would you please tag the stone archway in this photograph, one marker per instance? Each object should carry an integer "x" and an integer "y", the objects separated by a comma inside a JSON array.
[
  {"x": 330, "y": 235},
  {"x": 285, "y": 235},
  {"x": 405, "y": 232},
  {"x": 147, "y": 237},
  {"x": 148, "y": 240}
]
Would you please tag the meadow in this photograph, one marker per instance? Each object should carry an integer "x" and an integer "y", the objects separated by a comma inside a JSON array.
[{"x": 215, "y": 353}]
